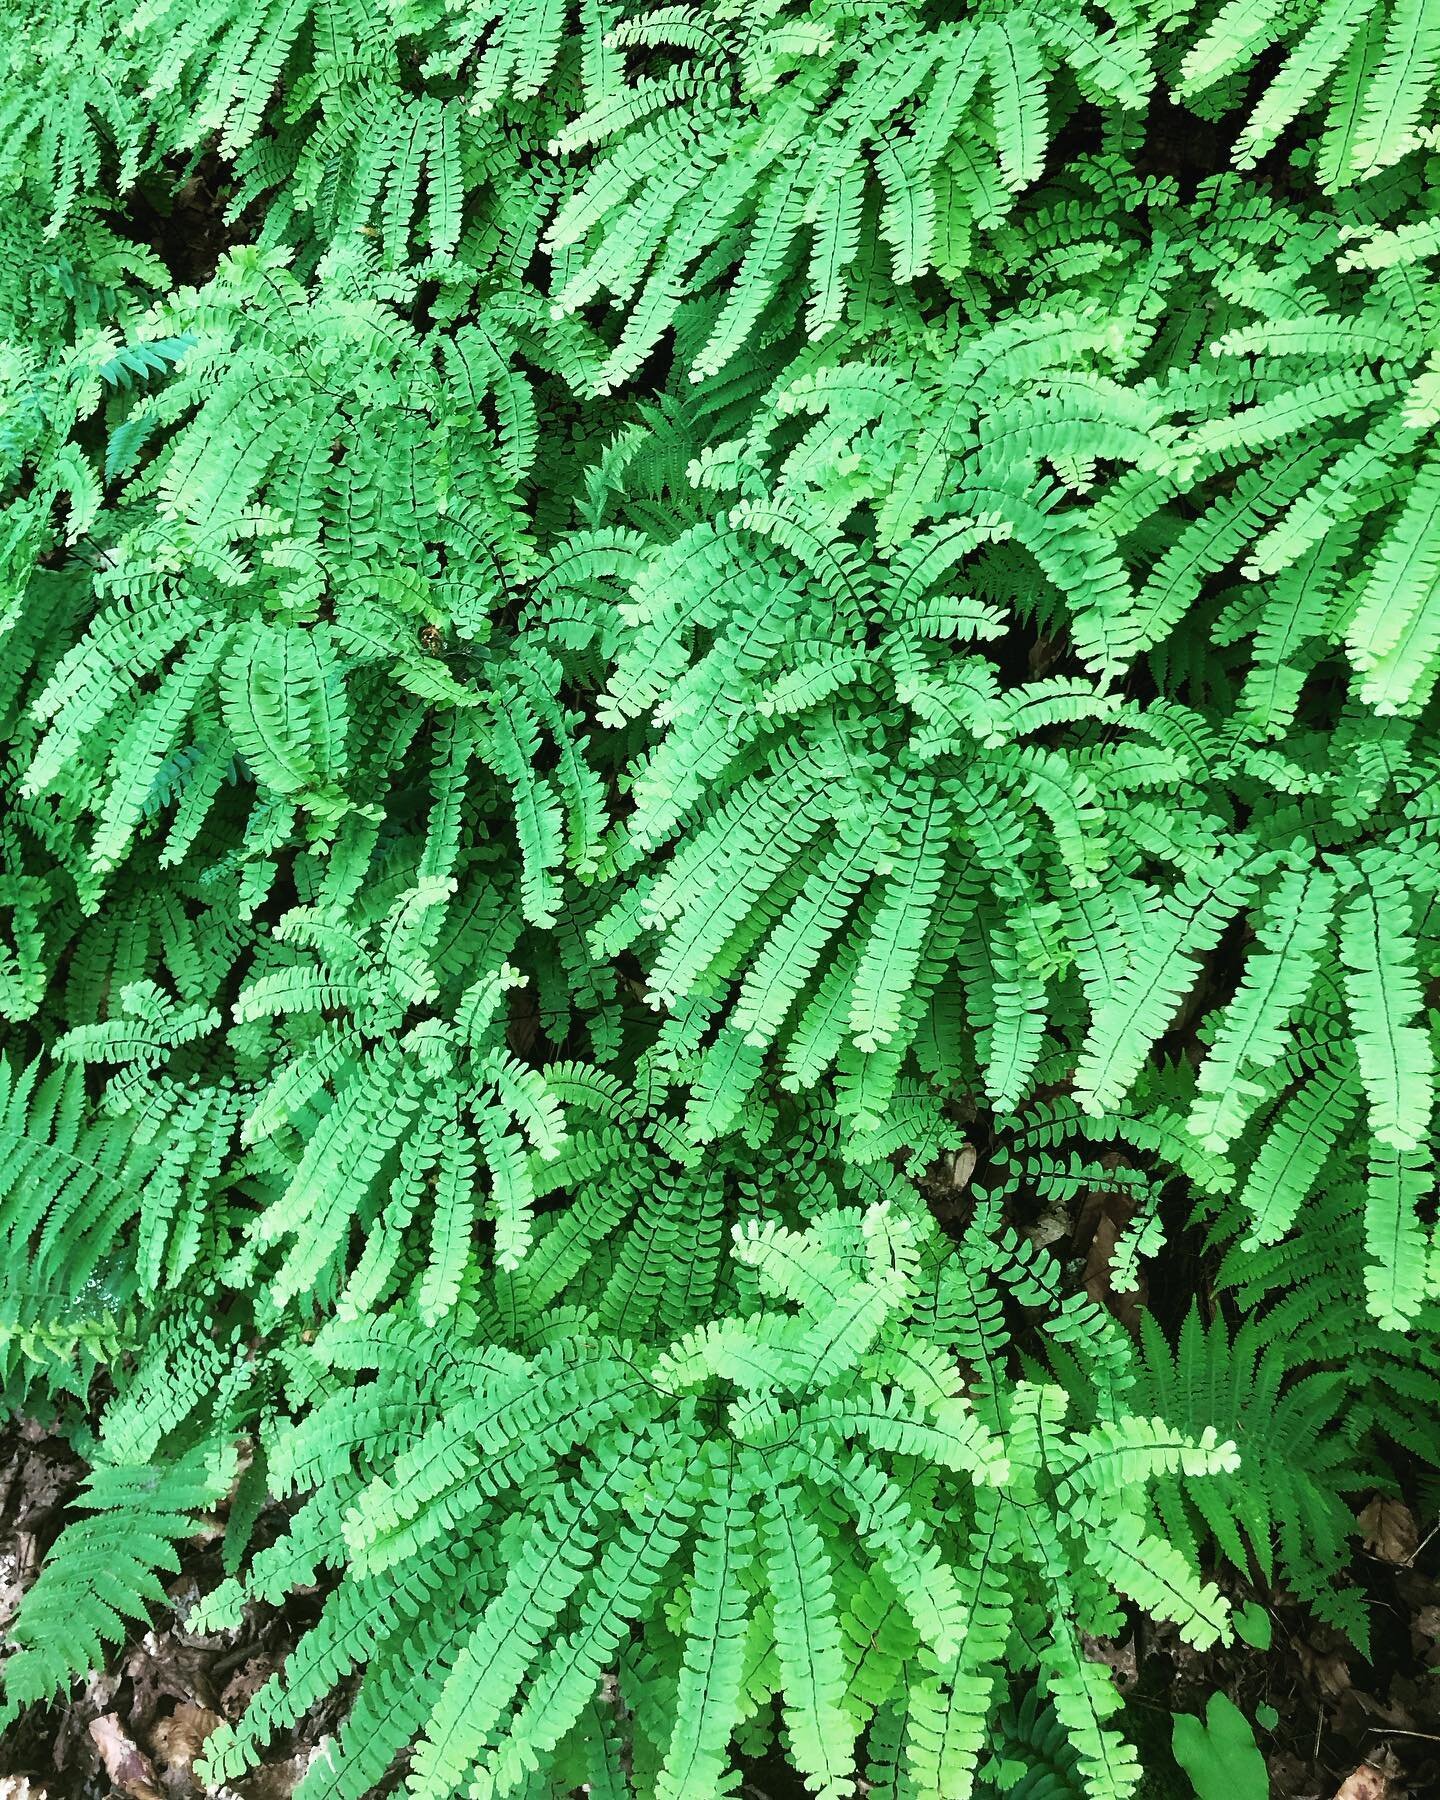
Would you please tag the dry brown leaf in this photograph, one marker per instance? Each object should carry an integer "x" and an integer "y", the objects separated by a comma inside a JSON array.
[
  {"x": 17, "y": 1571},
  {"x": 1120, "y": 1659},
  {"x": 1328, "y": 1669},
  {"x": 1370, "y": 1781},
  {"x": 72, "y": 1751},
  {"x": 947, "y": 1183},
  {"x": 178, "y": 1740},
  {"x": 1365, "y": 1784},
  {"x": 1389, "y": 1530},
  {"x": 1052, "y": 1225},
  {"x": 46, "y": 1477},
  {"x": 127, "y": 1765},
  {"x": 1045, "y": 652},
  {"x": 275, "y": 1781},
  {"x": 1099, "y": 1264},
  {"x": 162, "y": 1666},
  {"x": 246, "y": 1682}
]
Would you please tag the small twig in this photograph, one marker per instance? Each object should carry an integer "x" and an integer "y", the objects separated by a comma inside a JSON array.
[
  {"x": 1149, "y": 1705},
  {"x": 1421, "y": 1545},
  {"x": 1395, "y": 1731}
]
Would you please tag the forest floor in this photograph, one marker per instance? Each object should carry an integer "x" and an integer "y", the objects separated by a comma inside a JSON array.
[{"x": 1346, "y": 1727}]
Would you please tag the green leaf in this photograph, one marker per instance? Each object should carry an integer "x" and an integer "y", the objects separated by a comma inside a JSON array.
[
  {"x": 1219, "y": 1754},
  {"x": 1252, "y": 1622}
]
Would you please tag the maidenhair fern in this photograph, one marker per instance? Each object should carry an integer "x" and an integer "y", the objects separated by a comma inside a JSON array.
[{"x": 626, "y": 632}]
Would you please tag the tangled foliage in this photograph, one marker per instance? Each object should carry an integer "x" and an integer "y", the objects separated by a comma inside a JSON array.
[{"x": 699, "y": 605}]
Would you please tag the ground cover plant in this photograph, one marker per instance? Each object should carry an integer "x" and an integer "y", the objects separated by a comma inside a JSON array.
[{"x": 670, "y": 673}]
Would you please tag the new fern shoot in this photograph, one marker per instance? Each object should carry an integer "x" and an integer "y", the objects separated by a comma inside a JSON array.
[{"x": 683, "y": 610}]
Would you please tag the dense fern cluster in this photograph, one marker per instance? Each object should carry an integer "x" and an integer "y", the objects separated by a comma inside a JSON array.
[{"x": 711, "y": 601}]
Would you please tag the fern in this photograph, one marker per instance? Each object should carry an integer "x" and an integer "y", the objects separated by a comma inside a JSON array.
[{"x": 105, "y": 1576}]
